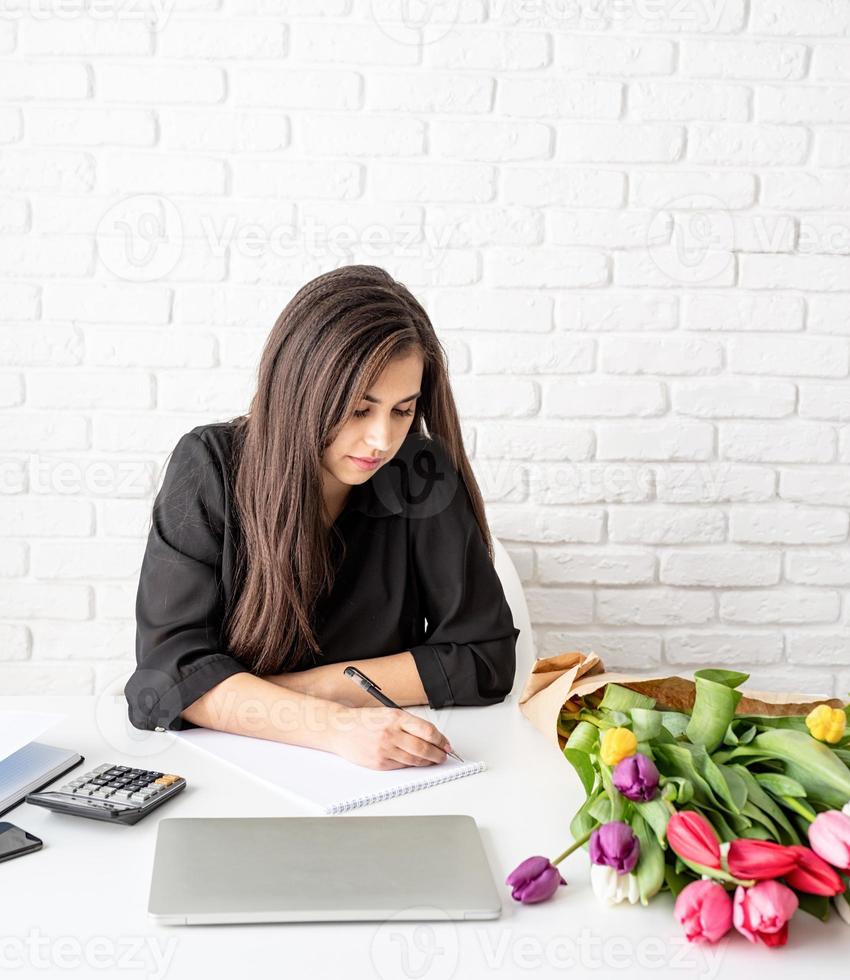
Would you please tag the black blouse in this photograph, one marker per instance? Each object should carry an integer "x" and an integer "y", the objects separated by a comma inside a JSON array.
[{"x": 413, "y": 552}]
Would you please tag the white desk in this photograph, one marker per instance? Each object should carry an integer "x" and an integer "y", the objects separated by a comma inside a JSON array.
[{"x": 77, "y": 908}]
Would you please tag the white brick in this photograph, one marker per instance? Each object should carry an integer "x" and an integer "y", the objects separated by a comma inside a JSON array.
[
  {"x": 155, "y": 173},
  {"x": 99, "y": 640},
  {"x": 472, "y": 226},
  {"x": 660, "y": 355},
  {"x": 90, "y": 126},
  {"x": 494, "y": 310},
  {"x": 556, "y": 525},
  {"x": 489, "y": 398},
  {"x": 829, "y": 314},
  {"x": 688, "y": 101},
  {"x": 159, "y": 84},
  {"x": 46, "y": 170},
  {"x": 13, "y": 556},
  {"x": 11, "y": 390},
  {"x": 146, "y": 432},
  {"x": 673, "y": 440},
  {"x": 114, "y": 347},
  {"x": 618, "y": 650},
  {"x": 91, "y": 476},
  {"x": 487, "y": 50},
  {"x": 601, "y": 55},
  {"x": 780, "y": 442},
  {"x": 815, "y": 17},
  {"x": 818, "y": 568},
  {"x": 560, "y": 98},
  {"x": 757, "y": 146},
  {"x": 662, "y": 188},
  {"x": 44, "y": 600},
  {"x": 18, "y": 301},
  {"x": 545, "y": 267},
  {"x": 46, "y": 344},
  {"x": 560, "y": 606},
  {"x": 734, "y": 398},
  {"x": 627, "y": 142},
  {"x": 46, "y": 430},
  {"x": 488, "y": 141},
  {"x": 85, "y": 560},
  {"x": 216, "y": 129},
  {"x": 555, "y": 354},
  {"x": 603, "y": 229},
  {"x": 102, "y": 302},
  {"x": 128, "y": 518},
  {"x": 653, "y": 607},
  {"x": 425, "y": 91},
  {"x": 353, "y": 44},
  {"x": 115, "y": 600},
  {"x": 617, "y": 311},
  {"x": 665, "y": 525},
  {"x": 331, "y": 135},
  {"x": 90, "y": 389},
  {"x": 291, "y": 178},
  {"x": 538, "y": 186},
  {"x": 779, "y": 606},
  {"x": 816, "y": 486},
  {"x": 31, "y": 516},
  {"x": 667, "y": 267},
  {"x": 832, "y": 148},
  {"x": 824, "y": 234},
  {"x": 534, "y": 442},
  {"x": 818, "y": 648},
  {"x": 787, "y": 524},
  {"x": 11, "y": 125},
  {"x": 84, "y": 36},
  {"x": 829, "y": 62},
  {"x": 295, "y": 88},
  {"x": 431, "y": 182},
  {"x": 825, "y": 401},
  {"x": 740, "y": 311},
  {"x": 15, "y": 642},
  {"x": 588, "y": 483},
  {"x": 816, "y": 357},
  {"x": 195, "y": 40},
  {"x": 713, "y": 482},
  {"x": 746, "y": 59},
  {"x": 44, "y": 257},
  {"x": 803, "y": 104},
  {"x": 588, "y": 567},
  {"x": 715, "y": 647},
  {"x": 804, "y": 191},
  {"x": 227, "y": 392},
  {"x": 21, "y": 80},
  {"x": 603, "y": 398},
  {"x": 46, "y": 679},
  {"x": 720, "y": 568}
]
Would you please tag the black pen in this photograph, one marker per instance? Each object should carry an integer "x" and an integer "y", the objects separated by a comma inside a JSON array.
[{"x": 372, "y": 688}]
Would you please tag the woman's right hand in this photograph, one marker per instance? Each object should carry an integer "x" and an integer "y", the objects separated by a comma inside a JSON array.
[{"x": 386, "y": 738}]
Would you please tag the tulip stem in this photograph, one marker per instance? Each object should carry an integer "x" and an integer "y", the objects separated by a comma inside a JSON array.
[
  {"x": 576, "y": 844},
  {"x": 794, "y": 804}
]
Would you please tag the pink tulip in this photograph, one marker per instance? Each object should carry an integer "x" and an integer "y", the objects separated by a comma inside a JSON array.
[
  {"x": 704, "y": 909},
  {"x": 829, "y": 835},
  {"x": 761, "y": 913}
]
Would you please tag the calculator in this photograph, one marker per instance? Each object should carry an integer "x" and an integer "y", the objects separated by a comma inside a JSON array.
[{"x": 115, "y": 793}]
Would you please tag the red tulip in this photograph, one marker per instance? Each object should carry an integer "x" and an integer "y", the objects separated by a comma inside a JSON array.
[
  {"x": 693, "y": 838},
  {"x": 812, "y": 874},
  {"x": 759, "y": 859}
]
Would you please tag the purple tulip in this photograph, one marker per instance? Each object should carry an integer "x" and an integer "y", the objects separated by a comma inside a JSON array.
[
  {"x": 535, "y": 880},
  {"x": 636, "y": 777},
  {"x": 615, "y": 845}
]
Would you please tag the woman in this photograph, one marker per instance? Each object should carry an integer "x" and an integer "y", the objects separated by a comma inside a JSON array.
[{"x": 320, "y": 530}]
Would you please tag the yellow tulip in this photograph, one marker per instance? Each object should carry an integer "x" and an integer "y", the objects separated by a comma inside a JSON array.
[
  {"x": 617, "y": 743},
  {"x": 826, "y": 724}
]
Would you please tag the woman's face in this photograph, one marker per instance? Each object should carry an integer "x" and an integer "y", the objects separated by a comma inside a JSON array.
[{"x": 379, "y": 425}]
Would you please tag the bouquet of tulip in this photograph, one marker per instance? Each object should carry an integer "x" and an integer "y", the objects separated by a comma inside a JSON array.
[{"x": 738, "y": 805}]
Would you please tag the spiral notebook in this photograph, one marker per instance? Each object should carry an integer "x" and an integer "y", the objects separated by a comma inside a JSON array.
[{"x": 317, "y": 778}]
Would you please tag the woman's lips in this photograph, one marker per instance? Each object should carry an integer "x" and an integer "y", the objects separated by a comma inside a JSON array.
[{"x": 365, "y": 464}]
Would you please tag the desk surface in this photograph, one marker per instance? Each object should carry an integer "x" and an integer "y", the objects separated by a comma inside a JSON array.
[{"x": 79, "y": 905}]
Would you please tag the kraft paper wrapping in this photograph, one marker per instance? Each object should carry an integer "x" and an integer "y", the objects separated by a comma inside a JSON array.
[{"x": 555, "y": 680}]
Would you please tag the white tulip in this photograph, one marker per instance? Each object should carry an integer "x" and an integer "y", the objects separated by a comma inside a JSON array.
[{"x": 612, "y": 888}]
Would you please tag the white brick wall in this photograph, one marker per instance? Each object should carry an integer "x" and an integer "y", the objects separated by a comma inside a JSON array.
[{"x": 629, "y": 220}]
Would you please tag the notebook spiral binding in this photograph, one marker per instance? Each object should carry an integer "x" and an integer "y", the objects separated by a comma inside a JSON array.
[{"x": 402, "y": 790}]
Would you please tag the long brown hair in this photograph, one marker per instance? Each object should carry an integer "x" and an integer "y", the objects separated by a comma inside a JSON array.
[{"x": 328, "y": 346}]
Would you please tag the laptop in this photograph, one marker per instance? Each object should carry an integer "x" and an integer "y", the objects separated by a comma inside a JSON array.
[{"x": 320, "y": 869}]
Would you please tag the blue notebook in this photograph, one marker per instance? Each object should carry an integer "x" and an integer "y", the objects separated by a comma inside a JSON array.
[{"x": 30, "y": 769}]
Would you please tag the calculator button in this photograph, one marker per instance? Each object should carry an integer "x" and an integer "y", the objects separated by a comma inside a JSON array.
[{"x": 167, "y": 780}]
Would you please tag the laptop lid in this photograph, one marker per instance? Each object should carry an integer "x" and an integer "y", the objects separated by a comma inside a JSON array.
[{"x": 320, "y": 869}]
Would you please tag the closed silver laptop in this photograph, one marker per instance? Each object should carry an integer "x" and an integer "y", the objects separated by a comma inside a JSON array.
[{"x": 320, "y": 869}]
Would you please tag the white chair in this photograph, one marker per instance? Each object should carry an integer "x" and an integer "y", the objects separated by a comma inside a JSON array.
[{"x": 512, "y": 586}]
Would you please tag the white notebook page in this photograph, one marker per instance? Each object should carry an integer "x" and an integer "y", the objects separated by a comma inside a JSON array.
[{"x": 317, "y": 778}]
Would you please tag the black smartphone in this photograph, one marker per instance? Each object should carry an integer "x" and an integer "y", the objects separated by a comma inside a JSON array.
[{"x": 14, "y": 841}]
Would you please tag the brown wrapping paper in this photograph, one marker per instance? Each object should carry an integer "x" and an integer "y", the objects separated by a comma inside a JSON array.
[{"x": 555, "y": 680}]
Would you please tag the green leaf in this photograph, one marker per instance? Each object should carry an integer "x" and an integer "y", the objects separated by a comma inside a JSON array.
[
  {"x": 816, "y": 905},
  {"x": 583, "y": 821},
  {"x": 676, "y": 722},
  {"x": 646, "y": 724},
  {"x": 714, "y": 706},
  {"x": 600, "y": 809},
  {"x": 649, "y": 870},
  {"x": 812, "y": 764},
  {"x": 780, "y": 785},
  {"x": 619, "y": 698},
  {"x": 656, "y": 814},
  {"x": 765, "y": 802},
  {"x": 675, "y": 880}
]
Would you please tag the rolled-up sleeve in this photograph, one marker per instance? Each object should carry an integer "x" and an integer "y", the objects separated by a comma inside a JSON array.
[
  {"x": 179, "y": 602},
  {"x": 469, "y": 653}
]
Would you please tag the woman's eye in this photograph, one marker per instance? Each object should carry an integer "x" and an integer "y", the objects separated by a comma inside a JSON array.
[{"x": 397, "y": 411}]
